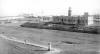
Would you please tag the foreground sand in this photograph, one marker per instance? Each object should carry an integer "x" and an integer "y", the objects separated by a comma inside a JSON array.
[{"x": 69, "y": 42}]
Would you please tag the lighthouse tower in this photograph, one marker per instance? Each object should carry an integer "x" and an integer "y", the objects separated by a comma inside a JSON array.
[{"x": 69, "y": 11}]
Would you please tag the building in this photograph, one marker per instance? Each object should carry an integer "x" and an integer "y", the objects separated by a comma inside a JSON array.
[
  {"x": 57, "y": 19},
  {"x": 71, "y": 20},
  {"x": 90, "y": 21},
  {"x": 86, "y": 14},
  {"x": 46, "y": 19},
  {"x": 96, "y": 20},
  {"x": 39, "y": 19},
  {"x": 93, "y": 20}
]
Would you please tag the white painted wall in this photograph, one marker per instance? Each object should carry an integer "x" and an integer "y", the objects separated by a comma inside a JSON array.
[{"x": 90, "y": 20}]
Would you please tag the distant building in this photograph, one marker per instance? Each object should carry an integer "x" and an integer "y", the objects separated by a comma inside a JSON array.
[
  {"x": 83, "y": 20},
  {"x": 71, "y": 20},
  {"x": 38, "y": 19},
  {"x": 46, "y": 19},
  {"x": 96, "y": 20},
  {"x": 90, "y": 21},
  {"x": 86, "y": 14},
  {"x": 93, "y": 20},
  {"x": 57, "y": 19}
]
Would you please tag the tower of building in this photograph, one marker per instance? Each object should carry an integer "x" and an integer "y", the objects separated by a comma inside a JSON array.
[
  {"x": 69, "y": 11},
  {"x": 86, "y": 14}
]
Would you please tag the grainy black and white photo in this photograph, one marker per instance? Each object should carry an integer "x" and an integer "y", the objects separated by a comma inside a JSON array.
[{"x": 49, "y": 26}]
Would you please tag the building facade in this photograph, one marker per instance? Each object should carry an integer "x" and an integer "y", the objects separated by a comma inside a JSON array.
[
  {"x": 96, "y": 20},
  {"x": 71, "y": 20}
]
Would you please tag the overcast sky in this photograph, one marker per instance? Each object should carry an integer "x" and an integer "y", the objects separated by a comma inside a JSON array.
[{"x": 48, "y": 7}]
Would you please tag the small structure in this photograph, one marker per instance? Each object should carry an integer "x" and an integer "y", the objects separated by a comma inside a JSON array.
[
  {"x": 25, "y": 41},
  {"x": 49, "y": 46}
]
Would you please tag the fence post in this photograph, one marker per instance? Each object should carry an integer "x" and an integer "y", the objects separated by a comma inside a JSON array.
[
  {"x": 25, "y": 41},
  {"x": 49, "y": 46}
]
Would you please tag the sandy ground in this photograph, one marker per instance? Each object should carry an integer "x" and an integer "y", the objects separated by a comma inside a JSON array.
[
  {"x": 69, "y": 42},
  {"x": 11, "y": 47},
  {"x": 44, "y": 47}
]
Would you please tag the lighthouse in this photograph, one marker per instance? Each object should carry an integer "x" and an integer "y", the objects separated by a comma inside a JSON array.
[{"x": 69, "y": 11}]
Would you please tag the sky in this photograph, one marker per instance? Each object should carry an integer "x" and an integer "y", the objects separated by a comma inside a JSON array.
[{"x": 48, "y": 7}]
